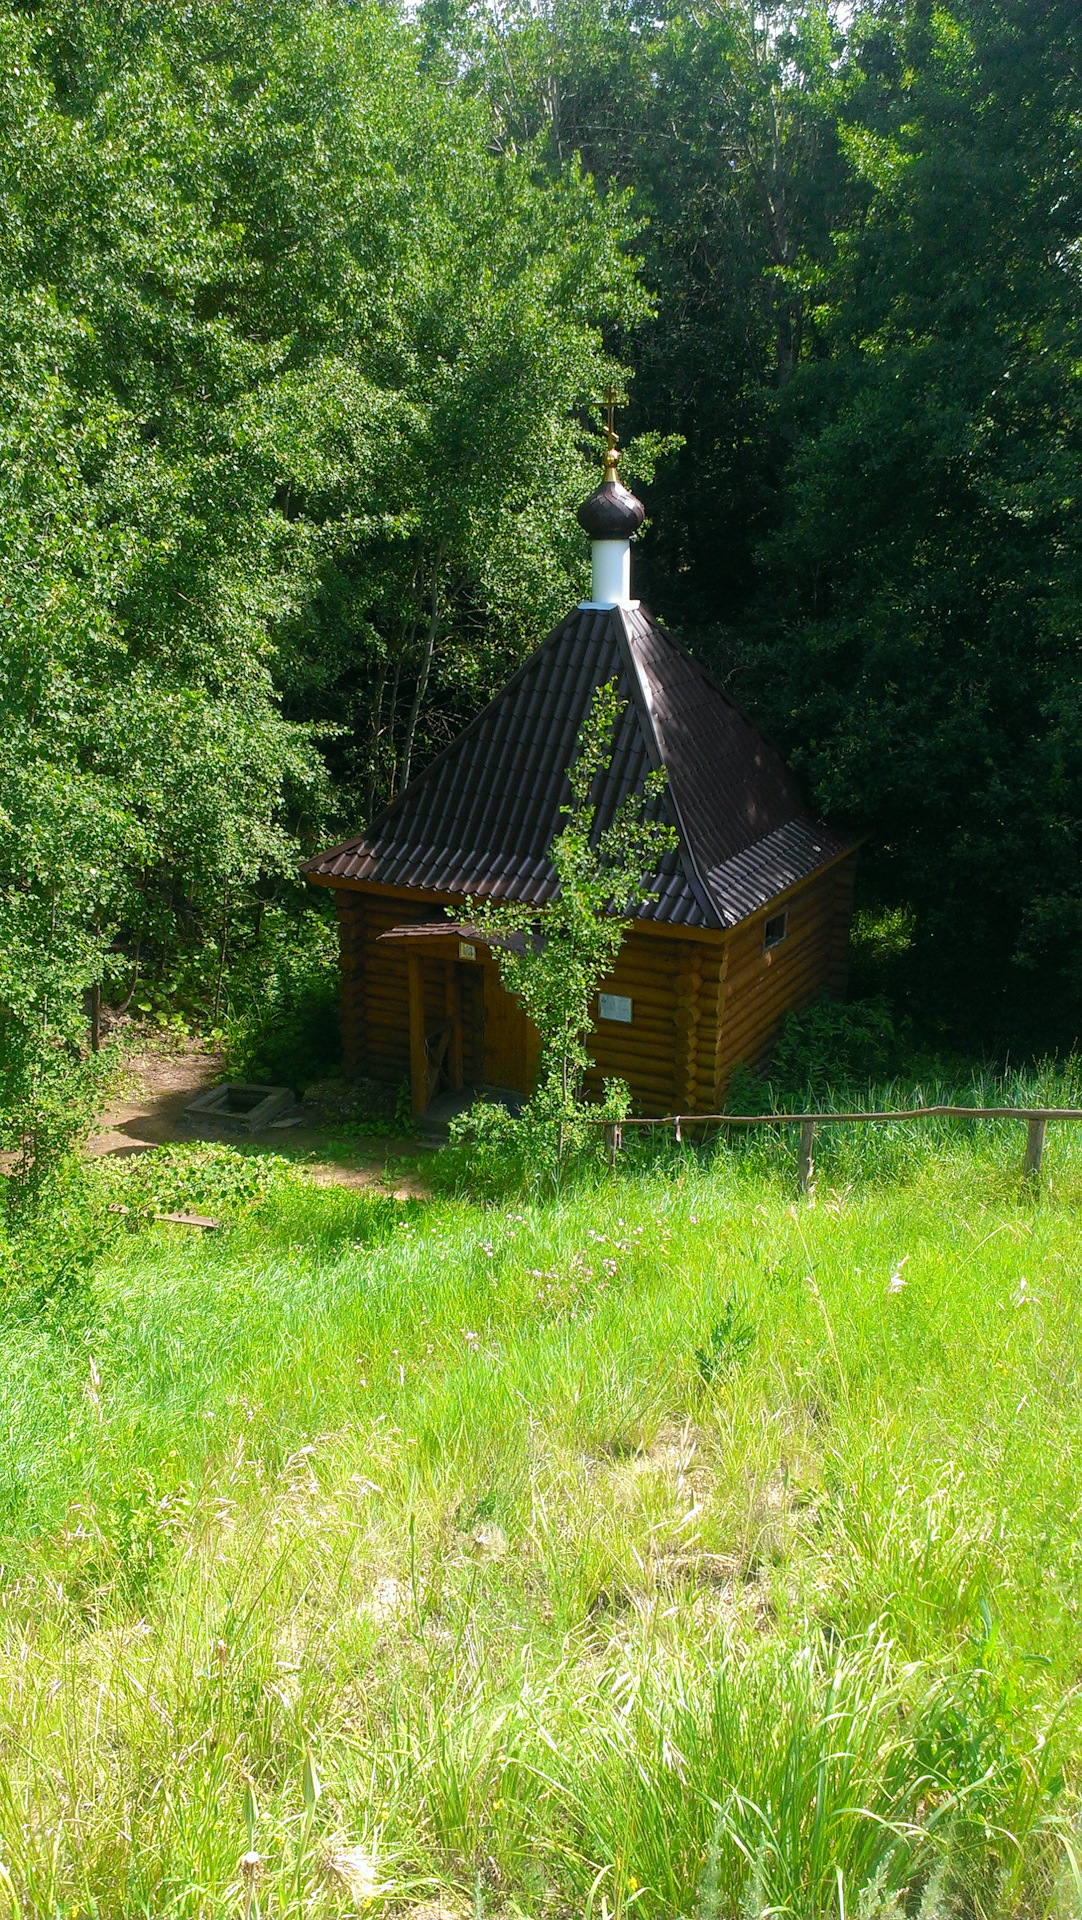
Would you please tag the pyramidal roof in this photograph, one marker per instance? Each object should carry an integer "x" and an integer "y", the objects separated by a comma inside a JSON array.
[{"x": 481, "y": 818}]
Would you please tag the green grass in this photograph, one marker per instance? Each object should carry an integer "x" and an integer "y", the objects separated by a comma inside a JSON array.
[{"x": 670, "y": 1547}]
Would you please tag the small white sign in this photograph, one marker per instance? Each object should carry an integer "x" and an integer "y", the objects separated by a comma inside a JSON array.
[
  {"x": 614, "y": 1006},
  {"x": 467, "y": 950}
]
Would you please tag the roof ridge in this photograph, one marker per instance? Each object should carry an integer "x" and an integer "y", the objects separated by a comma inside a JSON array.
[
  {"x": 656, "y": 753},
  {"x": 707, "y": 673}
]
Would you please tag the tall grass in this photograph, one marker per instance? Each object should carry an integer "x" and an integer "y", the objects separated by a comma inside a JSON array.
[
  {"x": 896, "y": 1151},
  {"x": 671, "y": 1547}
]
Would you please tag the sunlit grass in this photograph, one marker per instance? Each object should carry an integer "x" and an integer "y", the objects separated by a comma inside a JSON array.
[{"x": 673, "y": 1545}]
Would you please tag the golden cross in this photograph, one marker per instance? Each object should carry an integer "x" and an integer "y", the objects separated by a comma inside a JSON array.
[{"x": 612, "y": 438}]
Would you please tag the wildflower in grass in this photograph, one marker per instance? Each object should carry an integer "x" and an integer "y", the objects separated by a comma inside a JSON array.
[
  {"x": 355, "y": 1870},
  {"x": 251, "y": 1872},
  {"x": 896, "y": 1281},
  {"x": 486, "y": 1542}
]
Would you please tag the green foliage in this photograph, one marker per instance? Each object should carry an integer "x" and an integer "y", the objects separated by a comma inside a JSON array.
[
  {"x": 916, "y": 638},
  {"x": 206, "y": 1177},
  {"x": 554, "y": 957},
  {"x": 403, "y": 1107},
  {"x": 723, "y": 124},
  {"x": 731, "y": 1337},
  {"x": 862, "y": 246},
  {"x": 49, "y": 1093},
  {"x": 282, "y": 1011},
  {"x": 832, "y": 1050},
  {"x": 50, "y": 1242},
  {"x": 834, "y": 1044},
  {"x": 879, "y": 941},
  {"x": 485, "y": 1138},
  {"x": 258, "y": 407},
  {"x": 492, "y": 1151}
]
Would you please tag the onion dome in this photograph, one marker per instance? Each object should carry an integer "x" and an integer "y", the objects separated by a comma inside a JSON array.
[{"x": 611, "y": 512}]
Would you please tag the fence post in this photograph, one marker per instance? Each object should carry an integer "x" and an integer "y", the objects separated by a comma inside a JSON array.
[
  {"x": 805, "y": 1166},
  {"x": 1031, "y": 1166}
]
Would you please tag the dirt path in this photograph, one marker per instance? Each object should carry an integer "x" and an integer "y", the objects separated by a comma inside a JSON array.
[{"x": 158, "y": 1086}]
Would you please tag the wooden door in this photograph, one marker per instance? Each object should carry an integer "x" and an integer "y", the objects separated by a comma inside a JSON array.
[
  {"x": 471, "y": 995},
  {"x": 512, "y": 1043}
]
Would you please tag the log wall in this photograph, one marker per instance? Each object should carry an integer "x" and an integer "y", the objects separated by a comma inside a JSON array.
[
  {"x": 699, "y": 1005},
  {"x": 761, "y": 987},
  {"x": 375, "y": 985},
  {"x": 376, "y": 993},
  {"x": 668, "y": 1053}
]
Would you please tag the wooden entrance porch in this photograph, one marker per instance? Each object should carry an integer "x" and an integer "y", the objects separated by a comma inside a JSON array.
[{"x": 465, "y": 1029}]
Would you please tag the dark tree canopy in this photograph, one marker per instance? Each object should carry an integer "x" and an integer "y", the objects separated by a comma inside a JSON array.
[
  {"x": 305, "y": 312},
  {"x": 916, "y": 633},
  {"x": 865, "y": 248}
]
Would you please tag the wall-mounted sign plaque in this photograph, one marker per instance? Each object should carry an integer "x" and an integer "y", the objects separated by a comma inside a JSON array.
[
  {"x": 614, "y": 1006},
  {"x": 467, "y": 950}
]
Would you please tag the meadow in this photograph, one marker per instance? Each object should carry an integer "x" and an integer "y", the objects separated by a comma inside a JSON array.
[{"x": 670, "y": 1546}]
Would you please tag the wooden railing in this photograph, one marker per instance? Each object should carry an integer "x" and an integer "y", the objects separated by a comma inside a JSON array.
[{"x": 1036, "y": 1119}]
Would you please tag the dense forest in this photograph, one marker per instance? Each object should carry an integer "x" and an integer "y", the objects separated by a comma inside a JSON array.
[{"x": 306, "y": 311}]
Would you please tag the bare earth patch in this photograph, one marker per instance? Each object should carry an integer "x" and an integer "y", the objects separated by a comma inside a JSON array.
[
  {"x": 157, "y": 1088},
  {"x": 159, "y": 1084}
]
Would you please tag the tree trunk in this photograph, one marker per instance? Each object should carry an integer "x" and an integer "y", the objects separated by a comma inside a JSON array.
[
  {"x": 373, "y": 742},
  {"x": 125, "y": 1004},
  {"x": 426, "y": 664},
  {"x": 221, "y": 953}
]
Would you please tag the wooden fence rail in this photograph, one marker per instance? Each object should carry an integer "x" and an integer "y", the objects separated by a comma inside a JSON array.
[{"x": 1036, "y": 1119}]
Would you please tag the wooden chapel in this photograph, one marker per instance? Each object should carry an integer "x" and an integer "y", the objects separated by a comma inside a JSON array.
[{"x": 750, "y": 914}]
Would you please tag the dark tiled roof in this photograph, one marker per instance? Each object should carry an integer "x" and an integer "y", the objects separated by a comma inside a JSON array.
[{"x": 481, "y": 818}]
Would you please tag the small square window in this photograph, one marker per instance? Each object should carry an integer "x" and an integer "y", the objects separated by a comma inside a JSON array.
[{"x": 775, "y": 931}]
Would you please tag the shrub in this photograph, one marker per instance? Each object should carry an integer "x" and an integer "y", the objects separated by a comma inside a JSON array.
[
  {"x": 833, "y": 1044},
  {"x": 492, "y": 1151},
  {"x": 50, "y": 1091},
  {"x": 831, "y": 1048},
  {"x": 282, "y": 1023},
  {"x": 204, "y": 1176},
  {"x": 51, "y": 1240}
]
